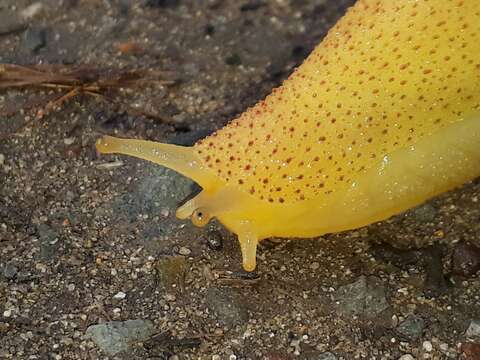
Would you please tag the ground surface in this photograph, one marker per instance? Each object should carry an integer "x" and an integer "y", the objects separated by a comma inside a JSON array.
[{"x": 84, "y": 242}]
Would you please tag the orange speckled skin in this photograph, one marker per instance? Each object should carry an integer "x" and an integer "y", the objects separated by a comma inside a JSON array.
[
  {"x": 384, "y": 114},
  {"x": 387, "y": 75}
]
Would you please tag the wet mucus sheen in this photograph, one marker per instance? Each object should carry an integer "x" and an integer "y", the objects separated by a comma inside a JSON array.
[
  {"x": 388, "y": 74},
  {"x": 383, "y": 115}
]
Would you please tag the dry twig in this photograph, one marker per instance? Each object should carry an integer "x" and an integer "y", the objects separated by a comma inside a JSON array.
[{"x": 78, "y": 80}]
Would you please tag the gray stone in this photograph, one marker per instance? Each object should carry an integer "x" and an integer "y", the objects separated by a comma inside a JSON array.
[
  {"x": 327, "y": 356},
  {"x": 116, "y": 336},
  {"x": 424, "y": 213},
  {"x": 10, "y": 23},
  {"x": 157, "y": 195},
  {"x": 412, "y": 327},
  {"x": 9, "y": 271},
  {"x": 473, "y": 330},
  {"x": 366, "y": 297},
  {"x": 49, "y": 243},
  {"x": 171, "y": 271},
  {"x": 317, "y": 355},
  {"x": 34, "y": 39},
  {"x": 465, "y": 259},
  {"x": 228, "y": 307},
  {"x": 159, "y": 188}
]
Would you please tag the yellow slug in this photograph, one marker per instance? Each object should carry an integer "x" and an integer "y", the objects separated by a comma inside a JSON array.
[{"x": 383, "y": 114}]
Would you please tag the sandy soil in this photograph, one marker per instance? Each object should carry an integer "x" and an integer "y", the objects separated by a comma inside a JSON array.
[{"x": 87, "y": 240}]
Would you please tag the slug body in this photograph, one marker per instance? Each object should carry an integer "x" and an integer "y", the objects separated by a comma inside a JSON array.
[{"x": 383, "y": 115}]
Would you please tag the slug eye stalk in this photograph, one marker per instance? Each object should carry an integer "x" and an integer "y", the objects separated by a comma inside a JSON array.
[{"x": 200, "y": 217}]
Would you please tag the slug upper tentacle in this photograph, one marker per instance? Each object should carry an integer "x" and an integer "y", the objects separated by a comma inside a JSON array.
[
  {"x": 179, "y": 158},
  {"x": 383, "y": 115}
]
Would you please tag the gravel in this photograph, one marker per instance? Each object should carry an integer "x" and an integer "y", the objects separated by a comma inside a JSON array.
[{"x": 90, "y": 247}]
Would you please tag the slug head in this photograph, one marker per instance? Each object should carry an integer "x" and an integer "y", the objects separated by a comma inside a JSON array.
[{"x": 232, "y": 207}]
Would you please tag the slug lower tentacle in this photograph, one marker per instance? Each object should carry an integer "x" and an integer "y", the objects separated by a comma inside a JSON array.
[{"x": 383, "y": 115}]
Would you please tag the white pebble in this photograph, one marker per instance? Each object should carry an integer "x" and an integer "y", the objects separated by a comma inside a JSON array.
[
  {"x": 427, "y": 346},
  {"x": 32, "y": 10},
  {"x": 69, "y": 141},
  {"x": 170, "y": 297},
  {"x": 120, "y": 295},
  {"x": 406, "y": 357},
  {"x": 184, "y": 251},
  {"x": 7, "y": 313},
  {"x": 443, "y": 347}
]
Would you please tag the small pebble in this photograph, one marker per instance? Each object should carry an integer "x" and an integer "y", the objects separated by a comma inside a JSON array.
[
  {"x": 412, "y": 327},
  {"x": 7, "y": 313},
  {"x": 10, "y": 271},
  {"x": 406, "y": 357},
  {"x": 214, "y": 240},
  {"x": 69, "y": 141},
  {"x": 170, "y": 297},
  {"x": 184, "y": 251},
  {"x": 110, "y": 165},
  {"x": 427, "y": 346},
  {"x": 2, "y": 159},
  {"x": 465, "y": 259},
  {"x": 120, "y": 295},
  {"x": 326, "y": 356},
  {"x": 443, "y": 347},
  {"x": 473, "y": 329},
  {"x": 34, "y": 39},
  {"x": 32, "y": 10}
]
